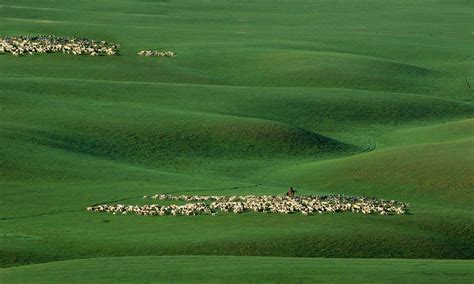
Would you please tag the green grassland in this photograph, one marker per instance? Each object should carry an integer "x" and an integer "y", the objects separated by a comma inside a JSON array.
[
  {"x": 219, "y": 269},
  {"x": 362, "y": 97}
]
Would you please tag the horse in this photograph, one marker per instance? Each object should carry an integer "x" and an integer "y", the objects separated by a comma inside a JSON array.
[{"x": 291, "y": 192}]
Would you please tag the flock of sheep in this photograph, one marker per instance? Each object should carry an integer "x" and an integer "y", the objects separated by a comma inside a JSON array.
[
  {"x": 23, "y": 45},
  {"x": 50, "y": 44},
  {"x": 157, "y": 53},
  {"x": 306, "y": 205}
]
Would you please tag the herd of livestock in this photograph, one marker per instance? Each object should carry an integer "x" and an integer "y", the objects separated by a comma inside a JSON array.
[
  {"x": 157, "y": 53},
  {"x": 211, "y": 205},
  {"x": 24, "y": 45}
]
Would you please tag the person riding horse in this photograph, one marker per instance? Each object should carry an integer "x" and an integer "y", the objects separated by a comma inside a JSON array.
[{"x": 291, "y": 192}]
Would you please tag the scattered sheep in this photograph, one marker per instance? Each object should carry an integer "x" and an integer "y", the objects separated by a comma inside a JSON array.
[{"x": 157, "y": 53}]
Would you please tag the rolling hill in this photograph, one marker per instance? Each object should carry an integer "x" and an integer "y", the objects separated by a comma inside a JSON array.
[{"x": 331, "y": 97}]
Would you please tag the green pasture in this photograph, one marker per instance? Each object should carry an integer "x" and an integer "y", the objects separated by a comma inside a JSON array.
[
  {"x": 215, "y": 269},
  {"x": 361, "y": 97}
]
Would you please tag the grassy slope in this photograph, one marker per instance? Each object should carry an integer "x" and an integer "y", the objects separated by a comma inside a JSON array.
[
  {"x": 249, "y": 105},
  {"x": 444, "y": 175},
  {"x": 453, "y": 131},
  {"x": 242, "y": 269}
]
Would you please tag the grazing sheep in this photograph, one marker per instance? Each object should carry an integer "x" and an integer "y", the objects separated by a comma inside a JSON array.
[
  {"x": 51, "y": 44},
  {"x": 156, "y": 53},
  {"x": 307, "y": 205}
]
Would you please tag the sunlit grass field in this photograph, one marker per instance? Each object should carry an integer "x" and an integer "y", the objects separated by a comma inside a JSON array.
[{"x": 360, "y": 97}]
